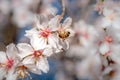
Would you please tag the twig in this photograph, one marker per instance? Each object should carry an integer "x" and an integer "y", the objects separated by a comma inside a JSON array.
[{"x": 63, "y": 10}]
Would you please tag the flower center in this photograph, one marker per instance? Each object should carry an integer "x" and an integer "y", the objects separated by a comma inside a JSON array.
[
  {"x": 109, "y": 39},
  {"x": 45, "y": 33},
  {"x": 9, "y": 63},
  {"x": 37, "y": 53},
  {"x": 86, "y": 35}
]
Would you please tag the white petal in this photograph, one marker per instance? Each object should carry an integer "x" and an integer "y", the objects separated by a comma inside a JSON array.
[
  {"x": 37, "y": 22},
  {"x": 38, "y": 42},
  {"x": 43, "y": 64},
  {"x": 2, "y": 73},
  {"x": 115, "y": 55},
  {"x": 31, "y": 32},
  {"x": 104, "y": 48},
  {"x": 64, "y": 44},
  {"x": 24, "y": 49},
  {"x": 67, "y": 23},
  {"x": 28, "y": 60},
  {"x": 106, "y": 22},
  {"x": 43, "y": 19},
  {"x": 84, "y": 41},
  {"x": 11, "y": 50},
  {"x": 54, "y": 42},
  {"x": 50, "y": 11},
  {"x": 106, "y": 11},
  {"x": 33, "y": 69},
  {"x": 11, "y": 75},
  {"x": 48, "y": 51},
  {"x": 116, "y": 23},
  {"x": 3, "y": 58},
  {"x": 54, "y": 23}
]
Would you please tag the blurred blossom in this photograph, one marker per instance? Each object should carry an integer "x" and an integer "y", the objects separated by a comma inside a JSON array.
[
  {"x": 22, "y": 17},
  {"x": 5, "y": 6}
]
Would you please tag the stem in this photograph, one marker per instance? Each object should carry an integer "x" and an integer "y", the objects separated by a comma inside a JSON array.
[{"x": 63, "y": 10}]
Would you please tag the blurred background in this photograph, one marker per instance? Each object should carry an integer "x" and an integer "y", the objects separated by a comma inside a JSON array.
[{"x": 16, "y": 16}]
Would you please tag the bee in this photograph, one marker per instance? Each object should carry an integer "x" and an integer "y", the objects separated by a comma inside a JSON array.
[{"x": 63, "y": 34}]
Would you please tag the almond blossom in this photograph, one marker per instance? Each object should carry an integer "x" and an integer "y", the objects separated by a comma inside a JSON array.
[
  {"x": 111, "y": 18},
  {"x": 86, "y": 33},
  {"x": 108, "y": 49},
  {"x": 43, "y": 34},
  {"x": 22, "y": 17},
  {"x": 35, "y": 57},
  {"x": 8, "y": 61},
  {"x": 107, "y": 41}
]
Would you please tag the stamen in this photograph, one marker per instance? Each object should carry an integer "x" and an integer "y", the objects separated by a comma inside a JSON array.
[
  {"x": 46, "y": 32},
  {"x": 37, "y": 53},
  {"x": 9, "y": 63},
  {"x": 22, "y": 71}
]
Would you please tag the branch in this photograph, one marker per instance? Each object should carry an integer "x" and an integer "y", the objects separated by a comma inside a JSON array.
[{"x": 63, "y": 10}]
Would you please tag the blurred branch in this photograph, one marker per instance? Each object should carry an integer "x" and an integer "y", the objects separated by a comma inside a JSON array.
[{"x": 63, "y": 10}]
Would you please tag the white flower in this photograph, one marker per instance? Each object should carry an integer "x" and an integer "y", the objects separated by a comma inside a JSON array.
[
  {"x": 22, "y": 17},
  {"x": 111, "y": 18},
  {"x": 35, "y": 57},
  {"x": 8, "y": 61},
  {"x": 86, "y": 33},
  {"x": 43, "y": 34},
  {"x": 107, "y": 40}
]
